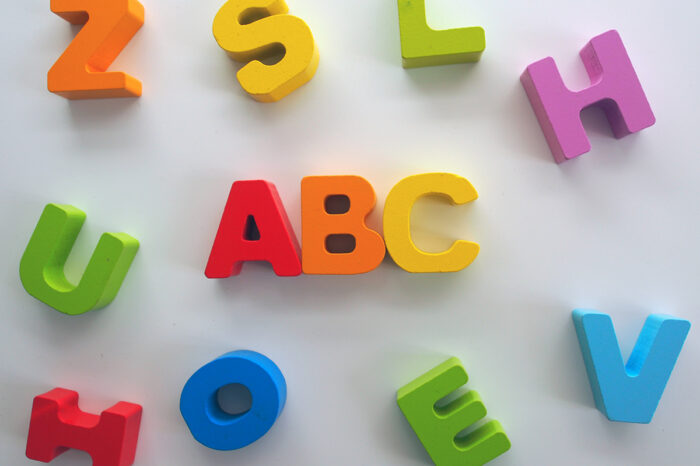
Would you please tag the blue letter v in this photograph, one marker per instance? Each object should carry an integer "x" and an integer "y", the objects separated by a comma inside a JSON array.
[{"x": 629, "y": 393}]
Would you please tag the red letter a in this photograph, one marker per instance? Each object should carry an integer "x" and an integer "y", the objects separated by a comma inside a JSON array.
[{"x": 254, "y": 227}]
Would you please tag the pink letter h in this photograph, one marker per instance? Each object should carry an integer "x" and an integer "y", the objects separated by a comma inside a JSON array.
[{"x": 614, "y": 87}]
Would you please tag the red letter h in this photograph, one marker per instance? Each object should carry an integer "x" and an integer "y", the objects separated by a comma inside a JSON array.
[{"x": 57, "y": 424}]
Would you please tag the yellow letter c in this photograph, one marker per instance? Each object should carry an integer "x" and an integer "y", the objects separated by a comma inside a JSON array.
[{"x": 397, "y": 223}]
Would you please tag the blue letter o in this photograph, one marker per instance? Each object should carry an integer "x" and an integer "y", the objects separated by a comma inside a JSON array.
[{"x": 213, "y": 427}]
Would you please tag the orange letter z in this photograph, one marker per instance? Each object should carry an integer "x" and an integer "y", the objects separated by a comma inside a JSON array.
[{"x": 80, "y": 73}]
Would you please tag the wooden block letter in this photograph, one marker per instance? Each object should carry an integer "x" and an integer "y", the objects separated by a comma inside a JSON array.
[
  {"x": 397, "y": 223},
  {"x": 252, "y": 30},
  {"x": 57, "y": 424},
  {"x": 41, "y": 267},
  {"x": 81, "y": 72},
  {"x": 254, "y": 227},
  {"x": 423, "y": 46},
  {"x": 319, "y": 226},
  {"x": 215, "y": 428},
  {"x": 631, "y": 392},
  {"x": 437, "y": 427},
  {"x": 614, "y": 87}
]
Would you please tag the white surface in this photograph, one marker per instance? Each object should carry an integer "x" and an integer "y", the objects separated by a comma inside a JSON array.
[{"x": 615, "y": 230}]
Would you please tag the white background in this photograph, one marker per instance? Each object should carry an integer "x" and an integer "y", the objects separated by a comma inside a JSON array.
[{"x": 615, "y": 230}]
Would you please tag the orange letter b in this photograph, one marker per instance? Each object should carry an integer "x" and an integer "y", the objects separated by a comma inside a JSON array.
[{"x": 323, "y": 223}]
